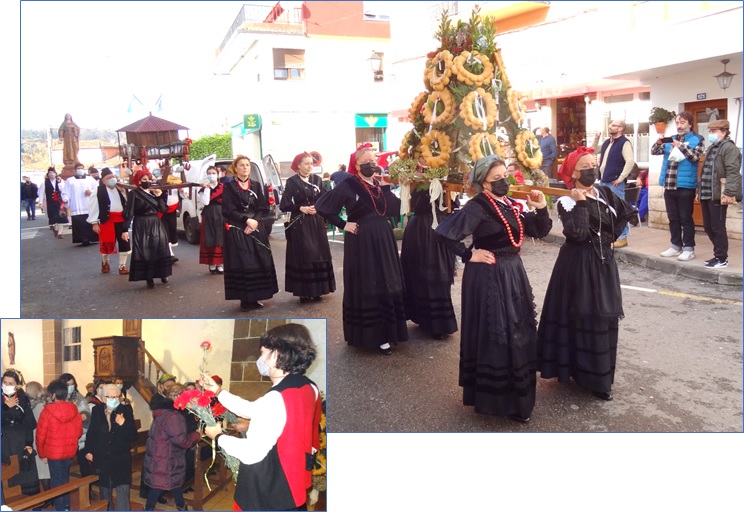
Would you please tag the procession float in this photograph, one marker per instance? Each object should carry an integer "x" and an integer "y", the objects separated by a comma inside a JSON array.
[{"x": 467, "y": 110}]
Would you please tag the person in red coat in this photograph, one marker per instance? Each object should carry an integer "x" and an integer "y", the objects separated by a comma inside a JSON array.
[
  {"x": 165, "y": 462},
  {"x": 57, "y": 433}
]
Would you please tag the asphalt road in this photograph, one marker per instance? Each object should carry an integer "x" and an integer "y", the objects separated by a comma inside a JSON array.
[{"x": 679, "y": 357}]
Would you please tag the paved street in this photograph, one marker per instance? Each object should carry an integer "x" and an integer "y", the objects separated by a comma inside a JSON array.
[{"x": 679, "y": 360}]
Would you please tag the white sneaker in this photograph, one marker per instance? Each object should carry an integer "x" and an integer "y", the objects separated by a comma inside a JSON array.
[
  {"x": 686, "y": 256},
  {"x": 670, "y": 252}
]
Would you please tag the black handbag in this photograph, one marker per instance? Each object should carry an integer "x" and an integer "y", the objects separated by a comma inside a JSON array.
[{"x": 63, "y": 217}]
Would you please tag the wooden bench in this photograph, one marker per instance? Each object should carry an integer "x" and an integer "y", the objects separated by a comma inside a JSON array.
[{"x": 79, "y": 492}]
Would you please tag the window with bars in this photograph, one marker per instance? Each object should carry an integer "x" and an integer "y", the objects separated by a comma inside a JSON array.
[
  {"x": 71, "y": 341},
  {"x": 289, "y": 64}
]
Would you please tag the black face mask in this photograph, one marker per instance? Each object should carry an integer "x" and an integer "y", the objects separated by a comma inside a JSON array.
[
  {"x": 368, "y": 169},
  {"x": 145, "y": 184},
  {"x": 588, "y": 176},
  {"x": 500, "y": 188}
]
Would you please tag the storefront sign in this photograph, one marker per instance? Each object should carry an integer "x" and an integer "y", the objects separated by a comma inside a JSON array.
[
  {"x": 371, "y": 120},
  {"x": 251, "y": 123}
]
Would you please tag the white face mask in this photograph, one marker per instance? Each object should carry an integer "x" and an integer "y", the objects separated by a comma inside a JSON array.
[
  {"x": 263, "y": 368},
  {"x": 8, "y": 390}
]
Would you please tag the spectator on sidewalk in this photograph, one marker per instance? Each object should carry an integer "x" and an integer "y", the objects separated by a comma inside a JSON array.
[
  {"x": 615, "y": 163},
  {"x": 643, "y": 195},
  {"x": 340, "y": 175},
  {"x": 549, "y": 150},
  {"x": 29, "y": 194},
  {"x": 720, "y": 186},
  {"x": 679, "y": 179}
]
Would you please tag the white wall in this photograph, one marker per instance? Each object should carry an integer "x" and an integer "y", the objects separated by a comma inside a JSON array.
[{"x": 28, "y": 342}]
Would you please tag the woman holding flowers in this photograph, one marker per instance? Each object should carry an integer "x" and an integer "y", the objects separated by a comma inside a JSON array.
[
  {"x": 278, "y": 451},
  {"x": 164, "y": 468},
  {"x": 309, "y": 271},
  {"x": 498, "y": 344},
  {"x": 249, "y": 267},
  {"x": 373, "y": 312}
]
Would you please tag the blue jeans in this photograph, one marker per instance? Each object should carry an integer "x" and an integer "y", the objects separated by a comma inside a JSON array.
[
  {"x": 30, "y": 205},
  {"x": 154, "y": 494},
  {"x": 619, "y": 191},
  {"x": 59, "y": 474}
]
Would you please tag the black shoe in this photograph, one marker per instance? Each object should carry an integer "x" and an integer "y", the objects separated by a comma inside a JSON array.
[
  {"x": 304, "y": 300},
  {"x": 602, "y": 395},
  {"x": 520, "y": 419},
  {"x": 386, "y": 351},
  {"x": 247, "y": 306},
  {"x": 438, "y": 336},
  {"x": 150, "y": 283},
  {"x": 174, "y": 259},
  {"x": 317, "y": 299},
  {"x": 86, "y": 243},
  {"x": 163, "y": 280}
]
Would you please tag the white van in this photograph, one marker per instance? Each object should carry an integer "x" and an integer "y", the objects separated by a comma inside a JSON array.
[{"x": 264, "y": 172}]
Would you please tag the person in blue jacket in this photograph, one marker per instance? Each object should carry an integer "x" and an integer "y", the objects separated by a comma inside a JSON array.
[{"x": 679, "y": 179}]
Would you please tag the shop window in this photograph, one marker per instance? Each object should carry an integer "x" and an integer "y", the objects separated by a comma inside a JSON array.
[
  {"x": 289, "y": 64},
  {"x": 71, "y": 342}
]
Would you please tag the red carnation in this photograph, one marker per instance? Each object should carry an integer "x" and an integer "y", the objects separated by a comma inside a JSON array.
[
  {"x": 218, "y": 410},
  {"x": 206, "y": 345},
  {"x": 203, "y": 401}
]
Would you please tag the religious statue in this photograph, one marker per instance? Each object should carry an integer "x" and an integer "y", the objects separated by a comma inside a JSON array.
[
  {"x": 69, "y": 134},
  {"x": 11, "y": 348}
]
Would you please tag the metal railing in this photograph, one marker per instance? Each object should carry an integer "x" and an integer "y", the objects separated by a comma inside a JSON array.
[{"x": 252, "y": 13}]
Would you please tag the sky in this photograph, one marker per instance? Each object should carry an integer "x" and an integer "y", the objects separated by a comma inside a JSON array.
[{"x": 104, "y": 54}]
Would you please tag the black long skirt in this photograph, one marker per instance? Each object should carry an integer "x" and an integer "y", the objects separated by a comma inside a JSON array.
[
  {"x": 578, "y": 330},
  {"x": 211, "y": 237},
  {"x": 151, "y": 256},
  {"x": 309, "y": 270},
  {"x": 249, "y": 267},
  {"x": 82, "y": 231},
  {"x": 498, "y": 349},
  {"x": 428, "y": 269},
  {"x": 373, "y": 311}
]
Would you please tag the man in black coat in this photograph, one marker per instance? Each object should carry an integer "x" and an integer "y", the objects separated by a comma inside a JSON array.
[{"x": 29, "y": 194}]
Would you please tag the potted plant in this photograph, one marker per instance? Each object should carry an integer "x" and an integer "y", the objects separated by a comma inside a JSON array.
[{"x": 660, "y": 117}]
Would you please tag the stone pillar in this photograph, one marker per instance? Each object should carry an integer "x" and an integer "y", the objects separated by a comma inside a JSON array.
[
  {"x": 51, "y": 340},
  {"x": 245, "y": 381}
]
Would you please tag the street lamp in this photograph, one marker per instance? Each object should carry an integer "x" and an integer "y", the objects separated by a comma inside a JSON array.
[
  {"x": 724, "y": 78},
  {"x": 375, "y": 61}
]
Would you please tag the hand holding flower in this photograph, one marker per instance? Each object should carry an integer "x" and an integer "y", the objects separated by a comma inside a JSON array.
[
  {"x": 208, "y": 383},
  {"x": 213, "y": 431}
]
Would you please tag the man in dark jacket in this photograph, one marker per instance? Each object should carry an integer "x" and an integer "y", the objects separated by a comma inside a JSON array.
[
  {"x": 107, "y": 444},
  {"x": 29, "y": 194},
  {"x": 57, "y": 433}
]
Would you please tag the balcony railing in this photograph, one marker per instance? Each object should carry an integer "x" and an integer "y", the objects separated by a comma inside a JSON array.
[{"x": 259, "y": 14}]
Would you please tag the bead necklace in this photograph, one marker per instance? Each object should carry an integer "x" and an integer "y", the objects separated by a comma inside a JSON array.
[
  {"x": 506, "y": 224},
  {"x": 374, "y": 198}
]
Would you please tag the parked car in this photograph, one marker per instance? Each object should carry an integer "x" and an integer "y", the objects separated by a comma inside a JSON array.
[{"x": 264, "y": 172}]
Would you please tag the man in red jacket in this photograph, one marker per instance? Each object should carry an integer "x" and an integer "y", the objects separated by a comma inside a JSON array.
[{"x": 57, "y": 433}]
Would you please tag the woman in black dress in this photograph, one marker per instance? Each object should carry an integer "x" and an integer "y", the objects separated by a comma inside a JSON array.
[
  {"x": 51, "y": 198},
  {"x": 212, "y": 223},
  {"x": 18, "y": 424},
  {"x": 309, "y": 271},
  {"x": 498, "y": 343},
  {"x": 578, "y": 329},
  {"x": 373, "y": 311},
  {"x": 428, "y": 270},
  {"x": 249, "y": 267},
  {"x": 151, "y": 255}
]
